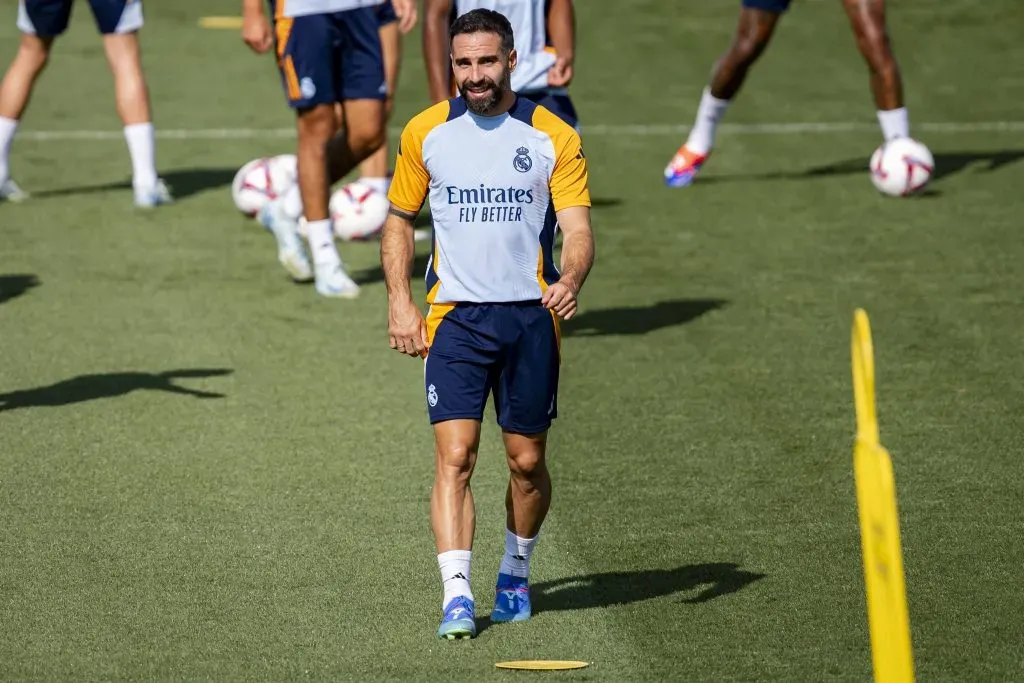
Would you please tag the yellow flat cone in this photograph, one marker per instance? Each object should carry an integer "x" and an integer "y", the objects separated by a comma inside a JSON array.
[
  {"x": 542, "y": 664},
  {"x": 221, "y": 22}
]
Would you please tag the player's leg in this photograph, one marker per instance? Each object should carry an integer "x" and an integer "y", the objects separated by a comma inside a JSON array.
[
  {"x": 757, "y": 22},
  {"x": 457, "y": 377},
  {"x": 867, "y": 17},
  {"x": 526, "y": 401},
  {"x": 364, "y": 90},
  {"x": 120, "y": 21},
  {"x": 40, "y": 22},
  {"x": 453, "y": 520},
  {"x": 305, "y": 55},
  {"x": 373, "y": 171}
]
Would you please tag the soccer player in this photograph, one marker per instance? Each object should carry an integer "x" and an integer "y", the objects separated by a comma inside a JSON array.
[
  {"x": 329, "y": 52},
  {"x": 545, "y": 33},
  {"x": 40, "y": 22},
  {"x": 757, "y": 22},
  {"x": 499, "y": 170}
]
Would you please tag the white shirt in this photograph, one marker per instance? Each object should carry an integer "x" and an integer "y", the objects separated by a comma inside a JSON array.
[{"x": 494, "y": 184}]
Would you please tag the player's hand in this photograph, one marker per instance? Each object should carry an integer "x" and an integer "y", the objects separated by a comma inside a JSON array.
[
  {"x": 405, "y": 10},
  {"x": 560, "y": 73},
  {"x": 561, "y": 298},
  {"x": 256, "y": 32},
  {"x": 407, "y": 329}
]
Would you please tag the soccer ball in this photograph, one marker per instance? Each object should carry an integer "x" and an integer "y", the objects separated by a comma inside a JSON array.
[
  {"x": 262, "y": 180},
  {"x": 901, "y": 167},
  {"x": 358, "y": 211}
]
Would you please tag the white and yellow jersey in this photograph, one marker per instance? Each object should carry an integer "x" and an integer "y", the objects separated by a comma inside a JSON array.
[
  {"x": 529, "y": 27},
  {"x": 495, "y": 183},
  {"x": 299, "y": 8}
]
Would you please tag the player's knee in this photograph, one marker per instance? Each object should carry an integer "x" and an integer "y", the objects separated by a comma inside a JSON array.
[
  {"x": 455, "y": 460},
  {"x": 34, "y": 53},
  {"x": 316, "y": 126},
  {"x": 527, "y": 464},
  {"x": 748, "y": 46},
  {"x": 367, "y": 138}
]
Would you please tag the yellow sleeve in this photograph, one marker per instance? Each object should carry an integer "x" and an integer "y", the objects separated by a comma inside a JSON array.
[
  {"x": 569, "y": 183},
  {"x": 410, "y": 181}
]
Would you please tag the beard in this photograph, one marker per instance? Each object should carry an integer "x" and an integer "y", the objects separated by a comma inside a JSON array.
[{"x": 484, "y": 106}]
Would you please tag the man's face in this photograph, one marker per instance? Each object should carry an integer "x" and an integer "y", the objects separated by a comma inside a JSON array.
[{"x": 482, "y": 70}]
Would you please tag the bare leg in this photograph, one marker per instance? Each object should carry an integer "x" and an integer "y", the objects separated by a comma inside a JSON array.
[
  {"x": 754, "y": 30},
  {"x": 16, "y": 88},
  {"x": 867, "y": 17},
  {"x": 131, "y": 93},
  {"x": 363, "y": 135},
  {"x": 15, "y": 93},
  {"x": 376, "y": 165},
  {"x": 452, "y": 513},
  {"x": 529, "y": 487}
]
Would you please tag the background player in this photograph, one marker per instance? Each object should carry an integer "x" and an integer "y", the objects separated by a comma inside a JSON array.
[
  {"x": 493, "y": 296},
  {"x": 40, "y": 22},
  {"x": 545, "y": 33},
  {"x": 757, "y": 22},
  {"x": 329, "y": 52}
]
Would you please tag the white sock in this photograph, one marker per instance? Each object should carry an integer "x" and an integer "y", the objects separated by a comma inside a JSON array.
[
  {"x": 516, "y": 560},
  {"x": 321, "y": 242},
  {"x": 7, "y": 129},
  {"x": 895, "y": 123},
  {"x": 709, "y": 113},
  {"x": 378, "y": 184},
  {"x": 454, "y": 566},
  {"x": 291, "y": 202},
  {"x": 142, "y": 149}
]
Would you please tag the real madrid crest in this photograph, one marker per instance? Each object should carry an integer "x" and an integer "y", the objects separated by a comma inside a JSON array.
[{"x": 522, "y": 161}]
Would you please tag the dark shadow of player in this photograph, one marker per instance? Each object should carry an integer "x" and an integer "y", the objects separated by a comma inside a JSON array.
[{"x": 107, "y": 385}]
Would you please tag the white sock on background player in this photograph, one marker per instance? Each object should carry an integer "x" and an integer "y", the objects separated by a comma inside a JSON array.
[
  {"x": 7, "y": 129},
  {"x": 321, "y": 243},
  {"x": 141, "y": 141},
  {"x": 454, "y": 566},
  {"x": 709, "y": 113},
  {"x": 895, "y": 123}
]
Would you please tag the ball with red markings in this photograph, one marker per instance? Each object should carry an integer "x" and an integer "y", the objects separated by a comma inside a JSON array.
[
  {"x": 901, "y": 167},
  {"x": 262, "y": 180},
  {"x": 358, "y": 211}
]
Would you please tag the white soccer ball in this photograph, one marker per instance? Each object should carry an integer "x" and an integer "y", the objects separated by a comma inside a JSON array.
[
  {"x": 262, "y": 180},
  {"x": 901, "y": 167},
  {"x": 358, "y": 211}
]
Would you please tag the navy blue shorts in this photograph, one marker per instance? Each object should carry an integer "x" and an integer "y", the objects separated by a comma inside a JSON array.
[
  {"x": 773, "y": 6},
  {"x": 49, "y": 18},
  {"x": 329, "y": 58},
  {"x": 509, "y": 350},
  {"x": 558, "y": 104},
  {"x": 386, "y": 13}
]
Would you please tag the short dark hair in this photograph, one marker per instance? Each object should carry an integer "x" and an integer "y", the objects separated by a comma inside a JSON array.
[{"x": 484, "y": 21}]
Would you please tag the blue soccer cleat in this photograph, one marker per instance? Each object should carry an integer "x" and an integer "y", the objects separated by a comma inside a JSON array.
[
  {"x": 684, "y": 167},
  {"x": 511, "y": 599},
  {"x": 459, "y": 621}
]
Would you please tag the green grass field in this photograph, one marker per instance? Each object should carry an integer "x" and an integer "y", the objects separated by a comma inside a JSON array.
[{"x": 704, "y": 525}]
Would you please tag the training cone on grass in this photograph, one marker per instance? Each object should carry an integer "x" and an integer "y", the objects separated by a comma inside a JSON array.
[
  {"x": 888, "y": 617},
  {"x": 542, "y": 664}
]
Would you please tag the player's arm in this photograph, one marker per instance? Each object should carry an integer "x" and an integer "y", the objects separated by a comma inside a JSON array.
[
  {"x": 407, "y": 331},
  {"x": 561, "y": 21},
  {"x": 256, "y": 31},
  {"x": 570, "y": 197},
  {"x": 577, "y": 260},
  {"x": 436, "y": 49}
]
